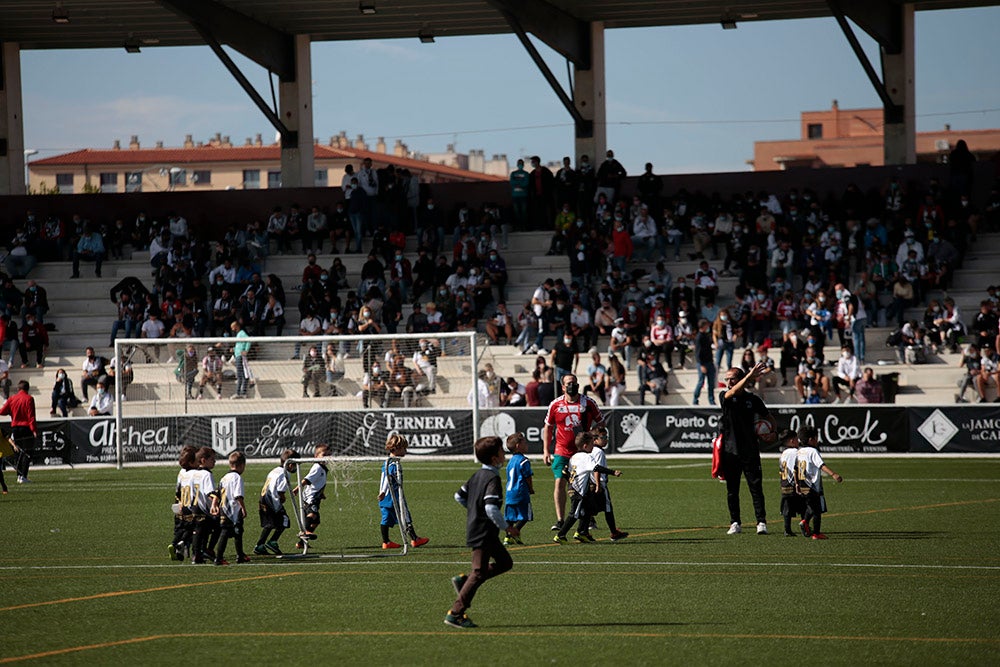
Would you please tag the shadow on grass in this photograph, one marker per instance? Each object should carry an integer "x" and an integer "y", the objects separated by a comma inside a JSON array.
[
  {"x": 886, "y": 534},
  {"x": 539, "y": 626}
]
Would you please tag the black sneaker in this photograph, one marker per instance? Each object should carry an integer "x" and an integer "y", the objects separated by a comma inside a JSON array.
[
  {"x": 458, "y": 621},
  {"x": 619, "y": 535}
]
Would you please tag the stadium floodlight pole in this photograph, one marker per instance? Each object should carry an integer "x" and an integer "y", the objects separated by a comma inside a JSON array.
[{"x": 475, "y": 389}]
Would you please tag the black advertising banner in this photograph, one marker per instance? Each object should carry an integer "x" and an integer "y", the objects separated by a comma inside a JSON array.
[
  {"x": 633, "y": 430},
  {"x": 953, "y": 429}
]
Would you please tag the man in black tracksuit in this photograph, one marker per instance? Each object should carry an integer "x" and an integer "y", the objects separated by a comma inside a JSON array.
[{"x": 740, "y": 453}]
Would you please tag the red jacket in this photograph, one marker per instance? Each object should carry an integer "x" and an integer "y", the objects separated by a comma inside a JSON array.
[
  {"x": 21, "y": 409},
  {"x": 623, "y": 244},
  {"x": 34, "y": 336}
]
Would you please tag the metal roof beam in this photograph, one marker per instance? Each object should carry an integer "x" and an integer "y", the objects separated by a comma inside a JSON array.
[
  {"x": 881, "y": 19},
  {"x": 563, "y": 32},
  {"x": 269, "y": 48},
  {"x": 892, "y": 109}
]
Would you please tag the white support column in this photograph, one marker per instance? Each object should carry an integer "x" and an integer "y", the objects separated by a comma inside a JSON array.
[
  {"x": 11, "y": 124},
  {"x": 295, "y": 109},
  {"x": 898, "y": 73},
  {"x": 588, "y": 97}
]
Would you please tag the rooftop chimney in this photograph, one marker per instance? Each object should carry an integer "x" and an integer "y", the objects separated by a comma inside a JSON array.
[
  {"x": 360, "y": 144},
  {"x": 133, "y": 143},
  {"x": 947, "y": 127},
  {"x": 399, "y": 149},
  {"x": 258, "y": 140},
  {"x": 159, "y": 144},
  {"x": 188, "y": 141},
  {"x": 226, "y": 143},
  {"x": 118, "y": 145},
  {"x": 380, "y": 145},
  {"x": 249, "y": 142}
]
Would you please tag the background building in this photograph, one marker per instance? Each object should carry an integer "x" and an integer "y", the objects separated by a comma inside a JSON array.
[
  {"x": 217, "y": 164},
  {"x": 854, "y": 138}
]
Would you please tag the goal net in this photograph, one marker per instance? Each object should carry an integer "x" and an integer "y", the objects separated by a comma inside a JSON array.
[{"x": 263, "y": 395}]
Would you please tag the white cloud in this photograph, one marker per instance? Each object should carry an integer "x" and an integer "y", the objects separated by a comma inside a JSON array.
[{"x": 394, "y": 49}]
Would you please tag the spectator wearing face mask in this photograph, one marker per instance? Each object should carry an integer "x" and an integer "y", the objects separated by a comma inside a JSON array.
[
  {"x": 63, "y": 397},
  {"x": 565, "y": 356},
  {"x": 101, "y": 403},
  {"x": 34, "y": 339},
  {"x": 374, "y": 386}
]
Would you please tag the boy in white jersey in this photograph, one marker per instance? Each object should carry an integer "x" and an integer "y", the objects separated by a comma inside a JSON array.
[
  {"x": 793, "y": 503},
  {"x": 585, "y": 488},
  {"x": 232, "y": 509},
  {"x": 199, "y": 497},
  {"x": 809, "y": 474},
  {"x": 312, "y": 486},
  {"x": 183, "y": 519},
  {"x": 603, "y": 497},
  {"x": 272, "y": 506}
]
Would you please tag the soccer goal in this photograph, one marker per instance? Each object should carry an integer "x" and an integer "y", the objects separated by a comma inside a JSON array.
[{"x": 262, "y": 395}]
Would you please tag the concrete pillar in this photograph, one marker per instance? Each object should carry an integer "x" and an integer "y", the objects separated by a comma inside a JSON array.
[
  {"x": 11, "y": 124},
  {"x": 898, "y": 73},
  {"x": 295, "y": 108},
  {"x": 588, "y": 97}
]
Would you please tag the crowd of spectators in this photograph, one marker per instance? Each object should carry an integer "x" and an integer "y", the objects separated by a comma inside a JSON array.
[{"x": 804, "y": 268}]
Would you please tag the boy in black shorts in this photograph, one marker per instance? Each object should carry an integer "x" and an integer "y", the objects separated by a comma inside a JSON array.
[{"x": 272, "y": 506}]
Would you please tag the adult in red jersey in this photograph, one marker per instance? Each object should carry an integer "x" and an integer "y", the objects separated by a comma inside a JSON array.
[
  {"x": 568, "y": 415},
  {"x": 21, "y": 409}
]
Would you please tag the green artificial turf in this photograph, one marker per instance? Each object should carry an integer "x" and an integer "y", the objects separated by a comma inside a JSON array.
[{"x": 910, "y": 575}]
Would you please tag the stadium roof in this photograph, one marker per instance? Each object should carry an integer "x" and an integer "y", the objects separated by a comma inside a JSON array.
[
  {"x": 111, "y": 23},
  {"x": 269, "y": 153}
]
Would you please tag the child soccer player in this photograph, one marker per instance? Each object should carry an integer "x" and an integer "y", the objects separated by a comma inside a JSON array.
[
  {"x": 603, "y": 504},
  {"x": 390, "y": 495},
  {"x": 232, "y": 510},
  {"x": 312, "y": 486},
  {"x": 198, "y": 496},
  {"x": 481, "y": 496},
  {"x": 519, "y": 487},
  {"x": 272, "y": 506},
  {"x": 183, "y": 519},
  {"x": 792, "y": 502},
  {"x": 585, "y": 487},
  {"x": 810, "y": 474}
]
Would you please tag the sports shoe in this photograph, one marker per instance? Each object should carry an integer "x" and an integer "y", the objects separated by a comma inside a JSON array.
[
  {"x": 300, "y": 545},
  {"x": 788, "y": 533},
  {"x": 261, "y": 550},
  {"x": 458, "y": 581},
  {"x": 306, "y": 535},
  {"x": 555, "y": 526},
  {"x": 583, "y": 537},
  {"x": 515, "y": 540},
  {"x": 762, "y": 528},
  {"x": 273, "y": 547},
  {"x": 804, "y": 527},
  {"x": 419, "y": 542},
  {"x": 734, "y": 529},
  {"x": 618, "y": 535},
  {"x": 391, "y": 545},
  {"x": 171, "y": 549},
  {"x": 508, "y": 540},
  {"x": 559, "y": 539},
  {"x": 242, "y": 559},
  {"x": 459, "y": 621},
  {"x": 819, "y": 536},
  {"x": 222, "y": 561}
]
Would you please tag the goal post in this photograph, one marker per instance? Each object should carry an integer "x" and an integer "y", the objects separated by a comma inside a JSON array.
[{"x": 263, "y": 394}]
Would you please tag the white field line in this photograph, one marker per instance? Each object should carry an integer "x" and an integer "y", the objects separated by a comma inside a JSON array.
[{"x": 380, "y": 560}]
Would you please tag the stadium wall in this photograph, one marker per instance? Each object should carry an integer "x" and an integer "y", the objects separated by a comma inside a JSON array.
[{"x": 972, "y": 429}]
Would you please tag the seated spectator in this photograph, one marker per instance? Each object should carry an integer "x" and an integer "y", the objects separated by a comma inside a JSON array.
[
  {"x": 868, "y": 389},
  {"x": 334, "y": 364},
  {"x": 810, "y": 381},
  {"x": 793, "y": 351},
  {"x": 597, "y": 376},
  {"x": 500, "y": 322},
  {"x": 313, "y": 372},
  {"x": 950, "y": 324},
  {"x": 20, "y": 261},
  {"x": 374, "y": 387},
  {"x": 512, "y": 394},
  {"x": 546, "y": 388},
  {"x": 848, "y": 373},
  {"x": 211, "y": 372},
  {"x": 400, "y": 384},
  {"x": 63, "y": 397},
  {"x": 34, "y": 339},
  {"x": 615, "y": 385},
  {"x": 971, "y": 361},
  {"x": 316, "y": 229},
  {"x": 90, "y": 248},
  {"x": 684, "y": 337},
  {"x": 153, "y": 328},
  {"x": 652, "y": 377},
  {"x": 115, "y": 378},
  {"x": 94, "y": 368},
  {"x": 579, "y": 325},
  {"x": 35, "y": 301},
  {"x": 102, "y": 403},
  {"x": 272, "y": 315}
]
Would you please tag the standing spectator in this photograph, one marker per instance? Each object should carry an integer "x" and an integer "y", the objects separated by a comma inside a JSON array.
[
  {"x": 567, "y": 416},
  {"x": 740, "y": 450},
  {"x": 90, "y": 248},
  {"x": 650, "y": 188},
  {"x": 565, "y": 357},
  {"x": 23, "y": 429},
  {"x": 868, "y": 389},
  {"x": 520, "y": 183},
  {"x": 706, "y": 364},
  {"x": 63, "y": 397},
  {"x": 5, "y": 380},
  {"x": 541, "y": 193},
  {"x": 34, "y": 338},
  {"x": 609, "y": 177},
  {"x": 241, "y": 350},
  {"x": 313, "y": 372},
  {"x": 8, "y": 338}
]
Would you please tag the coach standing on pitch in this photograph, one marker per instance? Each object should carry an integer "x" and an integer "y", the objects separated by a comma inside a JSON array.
[
  {"x": 21, "y": 409},
  {"x": 740, "y": 452},
  {"x": 568, "y": 415}
]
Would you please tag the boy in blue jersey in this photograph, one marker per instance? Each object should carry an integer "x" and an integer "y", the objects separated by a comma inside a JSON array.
[
  {"x": 390, "y": 495},
  {"x": 519, "y": 487}
]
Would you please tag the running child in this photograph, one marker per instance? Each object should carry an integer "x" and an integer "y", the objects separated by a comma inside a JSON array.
[
  {"x": 272, "y": 506},
  {"x": 520, "y": 487},
  {"x": 198, "y": 496},
  {"x": 312, "y": 485},
  {"x": 809, "y": 474},
  {"x": 603, "y": 504},
  {"x": 183, "y": 519},
  {"x": 792, "y": 502},
  {"x": 390, "y": 495},
  {"x": 481, "y": 496},
  {"x": 585, "y": 487},
  {"x": 232, "y": 510}
]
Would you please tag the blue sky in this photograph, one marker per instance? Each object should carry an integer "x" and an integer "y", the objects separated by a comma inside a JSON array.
[{"x": 688, "y": 99}]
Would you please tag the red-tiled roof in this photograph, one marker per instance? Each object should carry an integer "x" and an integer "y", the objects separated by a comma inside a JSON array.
[{"x": 271, "y": 153}]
